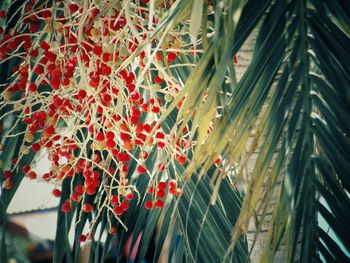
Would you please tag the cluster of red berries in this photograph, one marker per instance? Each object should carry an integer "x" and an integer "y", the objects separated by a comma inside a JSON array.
[
  {"x": 83, "y": 102},
  {"x": 158, "y": 193}
]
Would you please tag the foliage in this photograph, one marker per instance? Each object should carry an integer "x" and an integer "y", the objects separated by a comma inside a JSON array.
[
  {"x": 16, "y": 246},
  {"x": 146, "y": 125}
]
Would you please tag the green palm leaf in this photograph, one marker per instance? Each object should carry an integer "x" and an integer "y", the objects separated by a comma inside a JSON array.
[
  {"x": 285, "y": 121},
  {"x": 302, "y": 124}
]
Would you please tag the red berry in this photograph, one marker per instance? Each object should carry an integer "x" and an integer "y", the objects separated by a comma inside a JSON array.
[
  {"x": 87, "y": 174},
  {"x": 96, "y": 183},
  {"x": 158, "y": 80},
  {"x": 34, "y": 53},
  {"x": 118, "y": 210},
  {"x": 155, "y": 109},
  {"x": 57, "y": 102},
  {"x": 123, "y": 157},
  {"x": 50, "y": 56},
  {"x": 99, "y": 109},
  {"x": 161, "y": 167},
  {"x": 56, "y": 192},
  {"x": 100, "y": 137},
  {"x": 115, "y": 152},
  {"x": 66, "y": 207},
  {"x": 179, "y": 192},
  {"x": 55, "y": 83},
  {"x": 172, "y": 183},
  {"x": 106, "y": 71},
  {"x": 87, "y": 207},
  {"x": 50, "y": 130},
  {"x": 134, "y": 120},
  {"x": 147, "y": 128},
  {"x": 110, "y": 135},
  {"x": 56, "y": 73},
  {"x": 143, "y": 155},
  {"x": 114, "y": 199},
  {"x": 112, "y": 230},
  {"x": 181, "y": 159},
  {"x": 110, "y": 144},
  {"x": 32, "y": 87},
  {"x": 124, "y": 136},
  {"x": 73, "y": 8},
  {"x": 159, "y": 204},
  {"x": 46, "y": 13},
  {"x": 145, "y": 107},
  {"x": 36, "y": 147},
  {"x": 162, "y": 185},
  {"x": 39, "y": 70},
  {"x": 125, "y": 168},
  {"x": 26, "y": 168},
  {"x": 235, "y": 60},
  {"x": 45, "y": 45},
  {"x": 160, "y": 193},
  {"x": 141, "y": 169},
  {"x": 70, "y": 66},
  {"x": 139, "y": 128},
  {"x": 124, "y": 205},
  {"x": 159, "y": 56},
  {"x": 172, "y": 190},
  {"x": 171, "y": 56},
  {"x": 34, "y": 27},
  {"x": 160, "y": 135},
  {"x": 129, "y": 196},
  {"x": 2, "y": 14},
  {"x": 75, "y": 197},
  {"x": 150, "y": 190},
  {"x": 134, "y": 96},
  {"x": 124, "y": 127},
  {"x": 27, "y": 121},
  {"x": 148, "y": 204},
  {"x": 14, "y": 161},
  {"x": 97, "y": 50},
  {"x": 8, "y": 184},
  {"x": 82, "y": 238},
  {"x": 31, "y": 175},
  {"x": 95, "y": 174},
  {"x": 90, "y": 190},
  {"x": 79, "y": 189},
  {"x": 218, "y": 160},
  {"x": 161, "y": 145},
  {"x": 7, "y": 174}
]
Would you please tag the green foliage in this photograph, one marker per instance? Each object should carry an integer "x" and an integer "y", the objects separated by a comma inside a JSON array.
[
  {"x": 294, "y": 93},
  {"x": 306, "y": 42}
]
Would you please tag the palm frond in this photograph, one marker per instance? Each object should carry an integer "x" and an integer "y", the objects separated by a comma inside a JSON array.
[{"x": 286, "y": 120}]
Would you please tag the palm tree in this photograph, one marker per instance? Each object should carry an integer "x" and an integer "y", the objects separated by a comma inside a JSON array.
[{"x": 271, "y": 146}]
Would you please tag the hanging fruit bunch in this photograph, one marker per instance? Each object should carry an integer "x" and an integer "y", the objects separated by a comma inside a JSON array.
[{"x": 90, "y": 84}]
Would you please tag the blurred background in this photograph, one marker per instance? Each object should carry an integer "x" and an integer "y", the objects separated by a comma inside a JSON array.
[{"x": 31, "y": 223}]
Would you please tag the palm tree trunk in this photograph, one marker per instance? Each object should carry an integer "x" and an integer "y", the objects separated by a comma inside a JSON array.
[{"x": 244, "y": 57}]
